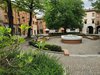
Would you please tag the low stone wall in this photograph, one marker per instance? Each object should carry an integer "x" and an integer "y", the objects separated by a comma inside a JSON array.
[{"x": 72, "y": 41}]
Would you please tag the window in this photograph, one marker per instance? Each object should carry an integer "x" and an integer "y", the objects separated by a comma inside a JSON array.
[
  {"x": 35, "y": 32},
  {"x": 33, "y": 22},
  {"x": 18, "y": 20},
  {"x": 18, "y": 14},
  {"x": 92, "y": 14},
  {"x": 97, "y": 22},
  {"x": 85, "y": 21},
  {"x": 36, "y": 23},
  {"x": 23, "y": 20},
  {"x": 92, "y": 21},
  {"x": 23, "y": 17},
  {"x": 6, "y": 17}
]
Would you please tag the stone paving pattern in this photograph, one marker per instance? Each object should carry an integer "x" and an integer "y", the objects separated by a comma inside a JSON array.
[
  {"x": 78, "y": 65},
  {"x": 86, "y": 47},
  {"x": 81, "y": 65}
]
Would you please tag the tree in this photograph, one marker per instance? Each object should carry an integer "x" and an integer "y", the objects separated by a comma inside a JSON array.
[
  {"x": 28, "y": 6},
  {"x": 64, "y": 13},
  {"x": 7, "y": 3},
  {"x": 52, "y": 14},
  {"x": 96, "y": 4}
]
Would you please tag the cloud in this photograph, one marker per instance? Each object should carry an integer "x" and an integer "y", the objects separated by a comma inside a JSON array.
[{"x": 87, "y": 4}]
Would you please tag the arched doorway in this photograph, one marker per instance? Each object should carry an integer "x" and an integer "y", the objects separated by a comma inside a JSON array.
[
  {"x": 98, "y": 29},
  {"x": 90, "y": 30}
]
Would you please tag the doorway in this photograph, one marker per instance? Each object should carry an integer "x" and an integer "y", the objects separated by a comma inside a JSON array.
[
  {"x": 90, "y": 29},
  {"x": 98, "y": 29}
]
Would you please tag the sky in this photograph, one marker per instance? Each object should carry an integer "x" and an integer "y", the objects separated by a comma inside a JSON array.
[{"x": 87, "y": 4}]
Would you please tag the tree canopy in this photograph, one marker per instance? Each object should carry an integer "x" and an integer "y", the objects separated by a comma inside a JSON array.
[
  {"x": 52, "y": 13},
  {"x": 96, "y": 4},
  {"x": 64, "y": 13}
]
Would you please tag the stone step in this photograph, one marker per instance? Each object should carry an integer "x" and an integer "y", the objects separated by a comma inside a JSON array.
[{"x": 74, "y": 55}]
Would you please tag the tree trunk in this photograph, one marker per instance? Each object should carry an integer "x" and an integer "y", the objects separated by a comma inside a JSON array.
[
  {"x": 65, "y": 30},
  {"x": 10, "y": 16},
  {"x": 30, "y": 22}
]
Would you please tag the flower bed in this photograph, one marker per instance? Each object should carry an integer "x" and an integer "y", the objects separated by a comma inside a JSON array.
[{"x": 47, "y": 46}]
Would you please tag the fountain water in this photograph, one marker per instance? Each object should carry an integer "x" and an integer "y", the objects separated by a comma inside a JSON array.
[{"x": 71, "y": 39}]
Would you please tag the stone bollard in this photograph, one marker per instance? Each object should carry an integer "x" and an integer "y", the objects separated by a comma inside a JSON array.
[{"x": 66, "y": 52}]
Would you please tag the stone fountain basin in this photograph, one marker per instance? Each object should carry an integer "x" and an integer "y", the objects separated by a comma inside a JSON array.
[{"x": 71, "y": 39}]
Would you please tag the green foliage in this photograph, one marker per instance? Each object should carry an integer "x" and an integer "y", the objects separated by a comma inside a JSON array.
[
  {"x": 34, "y": 64},
  {"x": 52, "y": 14},
  {"x": 4, "y": 36},
  {"x": 33, "y": 43},
  {"x": 96, "y": 5},
  {"x": 59, "y": 34},
  {"x": 64, "y": 13},
  {"x": 4, "y": 31},
  {"x": 53, "y": 48},
  {"x": 3, "y": 4},
  {"x": 9, "y": 47},
  {"x": 27, "y": 5},
  {"x": 24, "y": 28},
  {"x": 41, "y": 45},
  {"x": 14, "y": 61},
  {"x": 6, "y": 39}
]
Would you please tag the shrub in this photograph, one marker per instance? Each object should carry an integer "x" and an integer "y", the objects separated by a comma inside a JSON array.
[
  {"x": 53, "y": 48},
  {"x": 33, "y": 64},
  {"x": 59, "y": 34},
  {"x": 24, "y": 28},
  {"x": 33, "y": 43},
  {"x": 16, "y": 62},
  {"x": 9, "y": 48},
  {"x": 46, "y": 46}
]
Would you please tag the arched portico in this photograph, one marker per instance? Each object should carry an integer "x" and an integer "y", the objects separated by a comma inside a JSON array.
[
  {"x": 90, "y": 30},
  {"x": 98, "y": 29}
]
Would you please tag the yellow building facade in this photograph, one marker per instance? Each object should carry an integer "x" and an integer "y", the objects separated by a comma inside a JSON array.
[{"x": 21, "y": 17}]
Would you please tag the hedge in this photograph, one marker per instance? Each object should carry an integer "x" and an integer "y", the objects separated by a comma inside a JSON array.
[{"x": 47, "y": 46}]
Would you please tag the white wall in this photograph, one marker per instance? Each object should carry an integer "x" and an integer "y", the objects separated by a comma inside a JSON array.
[{"x": 89, "y": 18}]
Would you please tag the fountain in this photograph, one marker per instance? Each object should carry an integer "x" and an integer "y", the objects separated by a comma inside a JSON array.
[{"x": 71, "y": 39}]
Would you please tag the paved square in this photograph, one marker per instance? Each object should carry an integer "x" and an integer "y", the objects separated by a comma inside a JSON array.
[
  {"x": 86, "y": 47},
  {"x": 84, "y": 59}
]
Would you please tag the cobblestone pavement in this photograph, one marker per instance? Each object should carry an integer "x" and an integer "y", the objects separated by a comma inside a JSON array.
[
  {"x": 81, "y": 65},
  {"x": 86, "y": 47},
  {"x": 26, "y": 46},
  {"x": 84, "y": 59}
]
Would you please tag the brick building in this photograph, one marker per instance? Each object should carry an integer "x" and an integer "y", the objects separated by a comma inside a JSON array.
[{"x": 21, "y": 17}]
